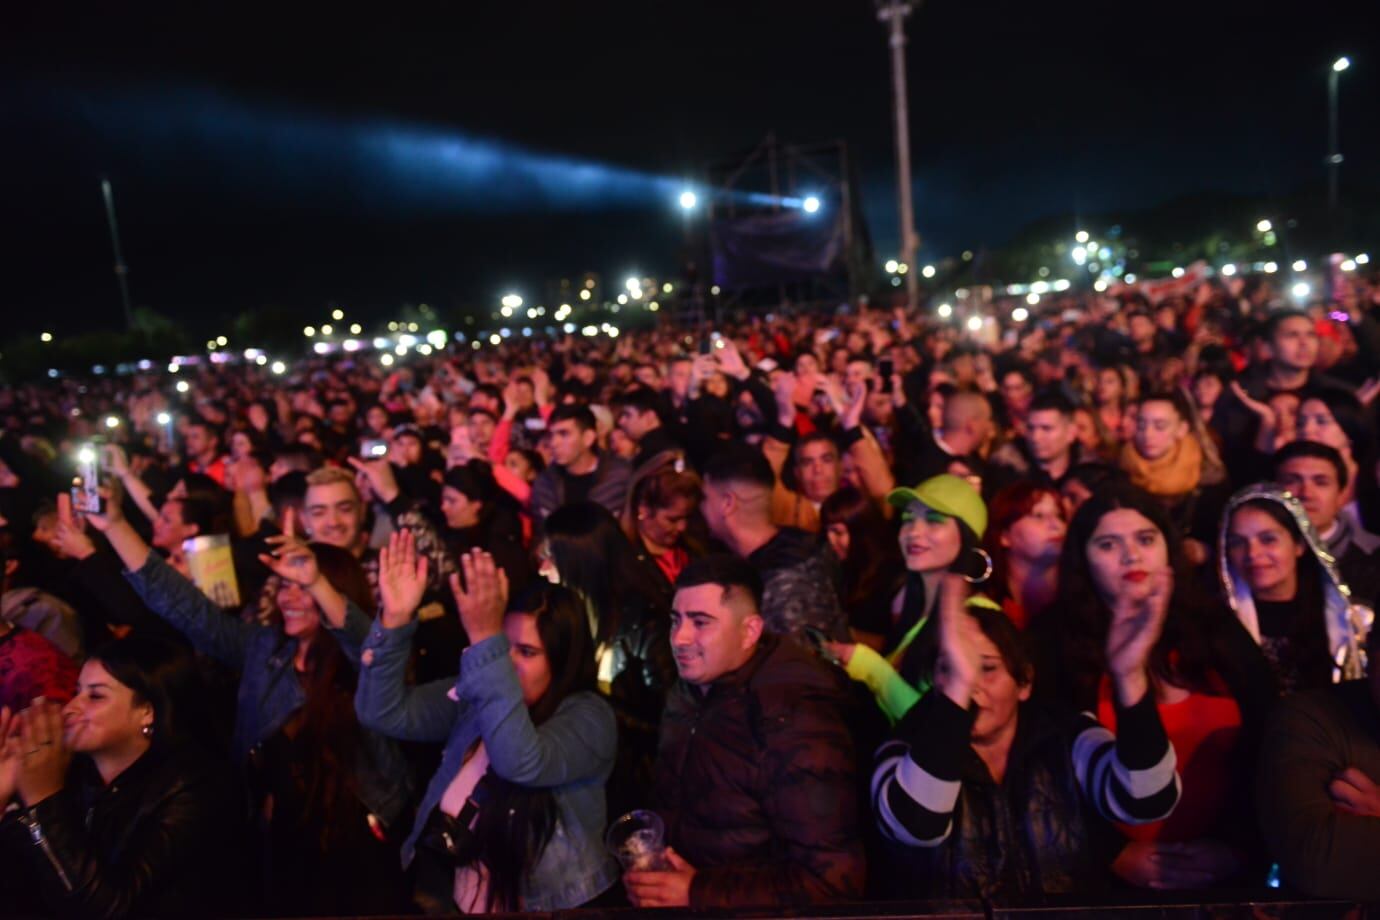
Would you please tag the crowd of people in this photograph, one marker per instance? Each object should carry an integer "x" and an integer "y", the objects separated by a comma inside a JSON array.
[{"x": 856, "y": 604}]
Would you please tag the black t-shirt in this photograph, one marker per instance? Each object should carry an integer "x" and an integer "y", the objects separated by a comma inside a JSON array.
[
  {"x": 1297, "y": 652},
  {"x": 578, "y": 487}
]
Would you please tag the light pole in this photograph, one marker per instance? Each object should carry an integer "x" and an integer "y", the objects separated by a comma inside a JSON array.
[
  {"x": 1334, "y": 156},
  {"x": 120, "y": 271},
  {"x": 894, "y": 13}
]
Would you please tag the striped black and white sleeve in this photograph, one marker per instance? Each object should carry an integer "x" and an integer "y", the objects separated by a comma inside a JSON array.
[
  {"x": 915, "y": 787},
  {"x": 1131, "y": 777}
]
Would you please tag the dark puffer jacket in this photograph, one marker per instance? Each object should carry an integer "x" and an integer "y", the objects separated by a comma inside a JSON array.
[
  {"x": 798, "y": 586},
  {"x": 756, "y": 781}
]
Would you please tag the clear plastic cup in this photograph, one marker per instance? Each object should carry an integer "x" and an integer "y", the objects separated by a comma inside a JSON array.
[{"x": 638, "y": 841}]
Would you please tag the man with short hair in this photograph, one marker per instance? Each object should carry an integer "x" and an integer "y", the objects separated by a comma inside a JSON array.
[
  {"x": 638, "y": 415},
  {"x": 1317, "y": 475},
  {"x": 579, "y": 471},
  {"x": 201, "y": 443},
  {"x": 1049, "y": 447},
  {"x": 755, "y": 768},
  {"x": 798, "y": 576}
]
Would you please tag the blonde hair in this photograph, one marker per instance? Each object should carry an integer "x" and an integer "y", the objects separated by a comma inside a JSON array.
[{"x": 333, "y": 475}]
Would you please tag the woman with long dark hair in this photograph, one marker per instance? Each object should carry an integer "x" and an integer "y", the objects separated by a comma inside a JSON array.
[
  {"x": 1285, "y": 588},
  {"x": 1209, "y": 683},
  {"x": 629, "y": 617},
  {"x": 870, "y": 563},
  {"x": 326, "y": 791},
  {"x": 661, "y": 506},
  {"x": 141, "y": 821},
  {"x": 479, "y": 514},
  {"x": 513, "y": 819}
]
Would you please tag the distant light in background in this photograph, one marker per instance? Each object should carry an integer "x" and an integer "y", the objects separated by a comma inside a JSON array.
[
  {"x": 337, "y": 315},
  {"x": 1300, "y": 265},
  {"x": 351, "y": 345},
  {"x": 386, "y": 360},
  {"x": 1081, "y": 236},
  {"x": 585, "y": 295},
  {"x": 1020, "y": 314},
  {"x": 1342, "y": 63},
  {"x": 1264, "y": 226},
  {"x": 811, "y": 204},
  {"x": 1099, "y": 285},
  {"x": 437, "y": 338},
  {"x": 1032, "y": 298},
  {"x": 1228, "y": 269},
  {"x": 261, "y": 360},
  {"x": 667, "y": 288},
  {"x": 164, "y": 418},
  {"x": 1079, "y": 254},
  {"x": 1363, "y": 259},
  {"x": 495, "y": 339},
  {"x": 1063, "y": 284},
  {"x": 327, "y": 329},
  {"x": 1178, "y": 272},
  {"x": 46, "y": 337},
  {"x": 928, "y": 271},
  {"x": 1301, "y": 290},
  {"x": 902, "y": 268},
  {"x": 1348, "y": 265},
  {"x": 356, "y": 329},
  {"x": 688, "y": 200},
  {"x": 173, "y": 367},
  {"x": 183, "y": 386},
  {"x": 1130, "y": 278},
  {"x": 511, "y": 301},
  {"x": 278, "y": 367},
  {"x": 424, "y": 349},
  {"x": 891, "y": 265},
  {"x": 1271, "y": 268},
  {"x": 975, "y": 324},
  {"x": 321, "y": 348},
  {"x": 112, "y": 422},
  {"x": 714, "y": 290}
]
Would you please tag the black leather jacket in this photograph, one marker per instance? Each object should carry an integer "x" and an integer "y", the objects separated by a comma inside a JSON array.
[{"x": 162, "y": 840}]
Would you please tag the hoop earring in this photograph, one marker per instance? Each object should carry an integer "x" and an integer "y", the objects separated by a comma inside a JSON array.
[{"x": 987, "y": 561}]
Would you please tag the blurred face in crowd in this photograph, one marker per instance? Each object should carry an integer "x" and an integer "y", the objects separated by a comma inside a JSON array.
[
  {"x": 1038, "y": 536},
  {"x": 857, "y": 373},
  {"x": 518, "y": 464},
  {"x": 459, "y": 510},
  {"x": 334, "y": 514},
  {"x": 1294, "y": 344},
  {"x": 105, "y": 717},
  {"x": 201, "y": 444},
  {"x": 1265, "y": 553},
  {"x": 996, "y": 694},
  {"x": 526, "y": 395},
  {"x": 1314, "y": 483},
  {"x": 880, "y": 409},
  {"x": 1207, "y": 389},
  {"x": 570, "y": 444},
  {"x": 1125, "y": 550},
  {"x": 407, "y": 450},
  {"x": 807, "y": 365},
  {"x": 635, "y": 423},
  {"x": 481, "y": 427},
  {"x": 1142, "y": 330},
  {"x": 713, "y": 632},
  {"x": 1158, "y": 429},
  {"x": 839, "y": 539},
  {"x": 663, "y": 527},
  {"x": 1286, "y": 406},
  {"x": 1109, "y": 388},
  {"x": 168, "y": 528},
  {"x": 1086, "y": 427},
  {"x": 620, "y": 445},
  {"x": 376, "y": 418},
  {"x": 339, "y": 415},
  {"x": 1317, "y": 423},
  {"x": 1016, "y": 392},
  {"x": 647, "y": 375},
  {"x": 679, "y": 377},
  {"x": 528, "y": 655},
  {"x": 817, "y": 469},
  {"x": 301, "y": 616},
  {"x": 1073, "y": 493},
  {"x": 257, "y": 416},
  {"x": 240, "y": 445},
  {"x": 1050, "y": 434},
  {"x": 930, "y": 540}
]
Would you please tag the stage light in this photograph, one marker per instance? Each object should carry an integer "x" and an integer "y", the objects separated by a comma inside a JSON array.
[
  {"x": 811, "y": 204},
  {"x": 1300, "y": 265},
  {"x": 511, "y": 301},
  {"x": 1080, "y": 255},
  {"x": 667, "y": 288},
  {"x": 321, "y": 347},
  {"x": 1099, "y": 285},
  {"x": 688, "y": 200},
  {"x": 1301, "y": 290},
  {"x": 173, "y": 367},
  {"x": 436, "y": 338},
  {"x": 632, "y": 284},
  {"x": 1342, "y": 63},
  {"x": 261, "y": 360},
  {"x": 164, "y": 418},
  {"x": 584, "y": 295},
  {"x": 1130, "y": 278},
  {"x": 622, "y": 298},
  {"x": 351, "y": 345}
]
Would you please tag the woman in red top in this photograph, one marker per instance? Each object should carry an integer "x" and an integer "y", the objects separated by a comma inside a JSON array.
[
  {"x": 1212, "y": 688},
  {"x": 660, "y": 508}
]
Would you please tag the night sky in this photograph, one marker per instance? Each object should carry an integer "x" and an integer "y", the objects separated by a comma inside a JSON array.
[{"x": 289, "y": 156}]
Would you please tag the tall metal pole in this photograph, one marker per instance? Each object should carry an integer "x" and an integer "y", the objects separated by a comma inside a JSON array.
[
  {"x": 120, "y": 270},
  {"x": 1334, "y": 157},
  {"x": 894, "y": 13}
]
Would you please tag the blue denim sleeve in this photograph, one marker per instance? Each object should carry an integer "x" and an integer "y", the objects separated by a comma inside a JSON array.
[
  {"x": 172, "y": 596},
  {"x": 352, "y": 634},
  {"x": 384, "y": 702},
  {"x": 578, "y": 742}
]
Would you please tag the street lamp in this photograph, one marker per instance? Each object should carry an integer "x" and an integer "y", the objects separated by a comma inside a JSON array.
[
  {"x": 1334, "y": 156},
  {"x": 894, "y": 13}
]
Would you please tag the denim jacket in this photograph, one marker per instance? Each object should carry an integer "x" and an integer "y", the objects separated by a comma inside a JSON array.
[
  {"x": 269, "y": 690},
  {"x": 572, "y": 753}
]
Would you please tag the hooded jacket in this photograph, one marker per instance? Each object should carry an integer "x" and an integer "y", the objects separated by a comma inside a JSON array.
[{"x": 1347, "y": 621}]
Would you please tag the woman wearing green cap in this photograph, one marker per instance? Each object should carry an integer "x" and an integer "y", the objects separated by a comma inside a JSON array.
[{"x": 943, "y": 520}]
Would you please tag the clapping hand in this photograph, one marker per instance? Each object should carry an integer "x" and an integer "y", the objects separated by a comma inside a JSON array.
[
  {"x": 402, "y": 579},
  {"x": 482, "y": 595},
  {"x": 1138, "y": 615},
  {"x": 43, "y": 753},
  {"x": 855, "y": 401},
  {"x": 960, "y": 662},
  {"x": 1268, "y": 418}
]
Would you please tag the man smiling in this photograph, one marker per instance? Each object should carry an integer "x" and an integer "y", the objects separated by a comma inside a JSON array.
[{"x": 755, "y": 771}]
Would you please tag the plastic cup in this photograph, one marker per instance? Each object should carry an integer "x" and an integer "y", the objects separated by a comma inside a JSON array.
[{"x": 638, "y": 841}]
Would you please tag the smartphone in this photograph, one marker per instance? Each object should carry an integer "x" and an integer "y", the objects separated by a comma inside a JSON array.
[
  {"x": 373, "y": 448},
  {"x": 534, "y": 423},
  {"x": 705, "y": 345},
  {"x": 885, "y": 369},
  {"x": 816, "y": 639},
  {"x": 85, "y": 498}
]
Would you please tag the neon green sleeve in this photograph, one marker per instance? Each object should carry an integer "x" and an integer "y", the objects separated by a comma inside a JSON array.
[{"x": 893, "y": 694}]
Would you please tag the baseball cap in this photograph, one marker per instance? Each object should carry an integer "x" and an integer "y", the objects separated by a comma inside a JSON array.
[{"x": 947, "y": 494}]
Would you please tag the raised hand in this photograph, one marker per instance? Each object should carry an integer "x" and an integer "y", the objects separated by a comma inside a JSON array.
[
  {"x": 1138, "y": 615},
  {"x": 1267, "y": 414},
  {"x": 730, "y": 360},
  {"x": 1367, "y": 391},
  {"x": 379, "y": 475},
  {"x": 402, "y": 579},
  {"x": 855, "y": 397},
  {"x": 292, "y": 559},
  {"x": 783, "y": 388},
  {"x": 112, "y": 495},
  {"x": 69, "y": 537},
  {"x": 1354, "y": 792},
  {"x": 43, "y": 755},
  {"x": 960, "y": 663},
  {"x": 482, "y": 596}
]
